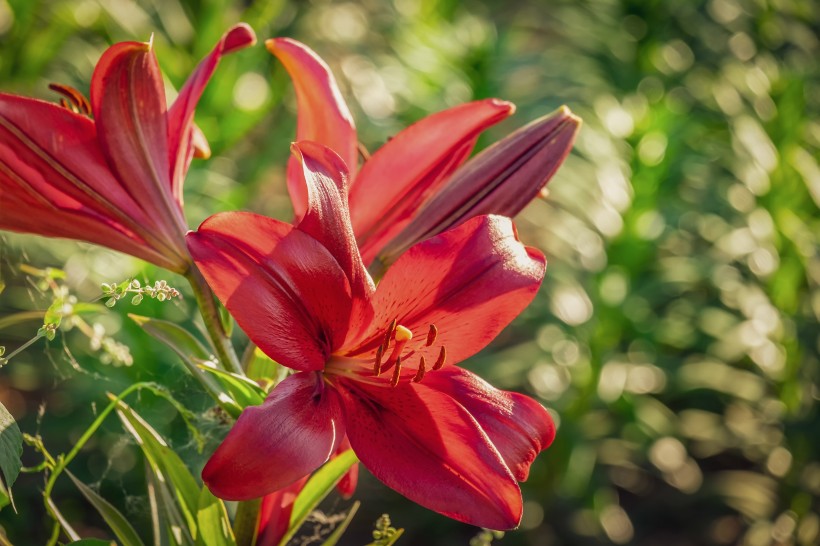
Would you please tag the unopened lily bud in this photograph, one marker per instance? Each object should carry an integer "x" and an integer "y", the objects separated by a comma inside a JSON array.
[{"x": 501, "y": 180}]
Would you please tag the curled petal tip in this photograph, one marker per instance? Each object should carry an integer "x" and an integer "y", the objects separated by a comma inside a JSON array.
[
  {"x": 238, "y": 37},
  {"x": 503, "y": 105}
]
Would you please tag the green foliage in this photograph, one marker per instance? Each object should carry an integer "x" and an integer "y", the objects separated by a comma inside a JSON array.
[
  {"x": 123, "y": 530},
  {"x": 11, "y": 447}
]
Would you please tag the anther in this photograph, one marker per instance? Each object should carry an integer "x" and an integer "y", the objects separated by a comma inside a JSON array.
[
  {"x": 76, "y": 101},
  {"x": 377, "y": 367},
  {"x": 442, "y": 356},
  {"x": 388, "y": 335},
  {"x": 396, "y": 372},
  {"x": 420, "y": 373},
  {"x": 431, "y": 334}
]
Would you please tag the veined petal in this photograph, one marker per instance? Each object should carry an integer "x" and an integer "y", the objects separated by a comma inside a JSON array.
[
  {"x": 323, "y": 114},
  {"x": 271, "y": 446},
  {"x": 413, "y": 165},
  {"x": 428, "y": 447},
  {"x": 128, "y": 100},
  {"x": 181, "y": 113},
  {"x": 518, "y": 426},
  {"x": 327, "y": 218},
  {"x": 501, "y": 180},
  {"x": 54, "y": 181},
  {"x": 283, "y": 287},
  {"x": 469, "y": 282}
]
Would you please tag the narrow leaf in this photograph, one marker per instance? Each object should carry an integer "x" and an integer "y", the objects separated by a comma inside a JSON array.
[
  {"x": 245, "y": 392},
  {"x": 115, "y": 520},
  {"x": 214, "y": 526},
  {"x": 92, "y": 542},
  {"x": 177, "y": 338},
  {"x": 316, "y": 489},
  {"x": 165, "y": 463}
]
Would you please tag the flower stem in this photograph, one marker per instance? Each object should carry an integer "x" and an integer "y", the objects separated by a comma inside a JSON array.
[{"x": 210, "y": 315}]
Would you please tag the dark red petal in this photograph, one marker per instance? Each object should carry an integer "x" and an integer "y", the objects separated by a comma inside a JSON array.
[
  {"x": 501, "y": 180},
  {"x": 323, "y": 114},
  {"x": 274, "y": 513},
  {"x": 181, "y": 113},
  {"x": 54, "y": 181},
  {"x": 128, "y": 100},
  {"x": 282, "y": 286},
  {"x": 518, "y": 426},
  {"x": 470, "y": 282},
  {"x": 412, "y": 166},
  {"x": 327, "y": 218},
  {"x": 427, "y": 447},
  {"x": 271, "y": 446}
]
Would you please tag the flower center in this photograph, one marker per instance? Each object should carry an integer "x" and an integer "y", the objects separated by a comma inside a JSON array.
[{"x": 400, "y": 336}]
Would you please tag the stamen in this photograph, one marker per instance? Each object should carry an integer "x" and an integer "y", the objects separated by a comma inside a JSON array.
[
  {"x": 377, "y": 367},
  {"x": 420, "y": 373},
  {"x": 442, "y": 356},
  {"x": 388, "y": 335},
  {"x": 396, "y": 372},
  {"x": 76, "y": 102},
  {"x": 431, "y": 334}
]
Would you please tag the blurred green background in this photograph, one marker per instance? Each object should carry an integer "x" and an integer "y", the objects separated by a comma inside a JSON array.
[{"x": 676, "y": 335}]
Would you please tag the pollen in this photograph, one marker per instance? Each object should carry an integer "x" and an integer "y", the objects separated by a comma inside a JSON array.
[
  {"x": 396, "y": 372},
  {"x": 442, "y": 356},
  {"x": 377, "y": 366},
  {"x": 420, "y": 373},
  {"x": 431, "y": 335}
]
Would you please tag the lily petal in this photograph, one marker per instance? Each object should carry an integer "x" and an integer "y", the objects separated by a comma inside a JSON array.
[
  {"x": 327, "y": 218},
  {"x": 502, "y": 180},
  {"x": 181, "y": 137},
  {"x": 469, "y": 282},
  {"x": 275, "y": 511},
  {"x": 413, "y": 165},
  {"x": 271, "y": 446},
  {"x": 55, "y": 181},
  {"x": 128, "y": 101},
  {"x": 282, "y": 286},
  {"x": 426, "y": 446},
  {"x": 518, "y": 426},
  {"x": 323, "y": 114}
]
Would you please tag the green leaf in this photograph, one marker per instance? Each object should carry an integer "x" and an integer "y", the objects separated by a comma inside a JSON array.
[
  {"x": 92, "y": 542},
  {"x": 169, "y": 469},
  {"x": 160, "y": 508},
  {"x": 115, "y": 520},
  {"x": 180, "y": 340},
  {"x": 192, "y": 353},
  {"x": 11, "y": 447},
  {"x": 214, "y": 526},
  {"x": 245, "y": 392},
  {"x": 337, "y": 533},
  {"x": 317, "y": 488},
  {"x": 262, "y": 368}
]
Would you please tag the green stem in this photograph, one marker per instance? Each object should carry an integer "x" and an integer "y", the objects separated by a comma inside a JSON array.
[{"x": 210, "y": 315}]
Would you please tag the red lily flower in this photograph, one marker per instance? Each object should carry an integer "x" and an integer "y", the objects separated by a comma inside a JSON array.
[
  {"x": 274, "y": 513},
  {"x": 376, "y": 364},
  {"x": 417, "y": 185},
  {"x": 115, "y": 180}
]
